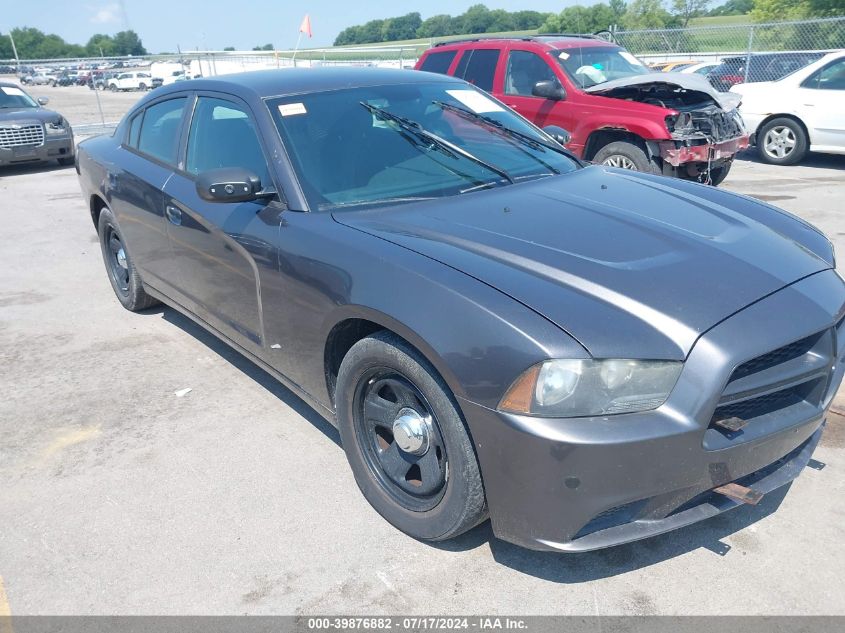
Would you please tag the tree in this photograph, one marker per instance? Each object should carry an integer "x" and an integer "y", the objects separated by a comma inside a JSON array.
[
  {"x": 685, "y": 10},
  {"x": 266, "y": 47},
  {"x": 578, "y": 19},
  {"x": 476, "y": 19},
  {"x": 733, "y": 7},
  {"x": 228, "y": 48},
  {"x": 618, "y": 7},
  {"x": 436, "y": 26},
  {"x": 401, "y": 28},
  {"x": 100, "y": 45},
  {"x": 777, "y": 10},
  {"x": 646, "y": 14},
  {"x": 128, "y": 43}
]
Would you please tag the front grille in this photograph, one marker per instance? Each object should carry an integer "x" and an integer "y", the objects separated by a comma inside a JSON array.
[
  {"x": 776, "y": 357},
  {"x": 23, "y": 135},
  {"x": 774, "y": 390}
]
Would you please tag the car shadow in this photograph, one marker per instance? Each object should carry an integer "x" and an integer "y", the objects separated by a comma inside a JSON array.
[
  {"x": 813, "y": 159},
  {"x": 32, "y": 168},
  {"x": 243, "y": 364},
  {"x": 565, "y": 568}
]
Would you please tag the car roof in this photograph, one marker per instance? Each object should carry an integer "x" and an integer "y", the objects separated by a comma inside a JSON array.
[
  {"x": 269, "y": 83},
  {"x": 555, "y": 41}
]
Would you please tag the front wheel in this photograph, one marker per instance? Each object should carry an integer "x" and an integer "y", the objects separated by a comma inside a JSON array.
[
  {"x": 625, "y": 155},
  {"x": 122, "y": 273},
  {"x": 113, "y": 87},
  {"x": 782, "y": 141},
  {"x": 142, "y": 87},
  {"x": 406, "y": 442}
]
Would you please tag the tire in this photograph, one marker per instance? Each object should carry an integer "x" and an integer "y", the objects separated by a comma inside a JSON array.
[
  {"x": 625, "y": 155},
  {"x": 718, "y": 174},
  {"x": 124, "y": 277},
  {"x": 444, "y": 496},
  {"x": 782, "y": 141},
  {"x": 142, "y": 86},
  {"x": 113, "y": 87},
  {"x": 66, "y": 161}
]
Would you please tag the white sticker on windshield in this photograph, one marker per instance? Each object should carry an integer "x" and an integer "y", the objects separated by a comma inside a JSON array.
[
  {"x": 476, "y": 101},
  {"x": 289, "y": 109},
  {"x": 630, "y": 58},
  {"x": 12, "y": 91},
  {"x": 563, "y": 55}
]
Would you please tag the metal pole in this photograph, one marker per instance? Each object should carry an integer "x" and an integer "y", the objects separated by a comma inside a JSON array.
[
  {"x": 15, "y": 51},
  {"x": 748, "y": 57},
  {"x": 298, "y": 39},
  {"x": 99, "y": 106}
]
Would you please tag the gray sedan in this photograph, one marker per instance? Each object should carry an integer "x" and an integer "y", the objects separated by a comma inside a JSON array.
[
  {"x": 585, "y": 355},
  {"x": 29, "y": 133}
]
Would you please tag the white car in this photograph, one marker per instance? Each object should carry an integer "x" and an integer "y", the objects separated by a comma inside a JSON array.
[
  {"x": 802, "y": 112},
  {"x": 701, "y": 68},
  {"x": 130, "y": 81}
]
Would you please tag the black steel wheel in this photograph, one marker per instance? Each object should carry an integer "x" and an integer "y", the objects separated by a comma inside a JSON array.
[
  {"x": 124, "y": 277},
  {"x": 406, "y": 441},
  {"x": 400, "y": 439}
]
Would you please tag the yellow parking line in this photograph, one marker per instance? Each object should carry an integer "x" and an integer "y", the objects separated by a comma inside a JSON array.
[{"x": 5, "y": 611}]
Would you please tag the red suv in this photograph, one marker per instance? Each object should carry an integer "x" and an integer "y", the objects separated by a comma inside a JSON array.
[{"x": 617, "y": 112}]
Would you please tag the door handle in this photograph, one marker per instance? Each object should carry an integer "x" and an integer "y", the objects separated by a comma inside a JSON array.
[{"x": 174, "y": 214}]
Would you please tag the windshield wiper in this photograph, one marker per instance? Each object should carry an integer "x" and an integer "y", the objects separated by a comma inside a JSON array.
[
  {"x": 504, "y": 130},
  {"x": 431, "y": 139}
]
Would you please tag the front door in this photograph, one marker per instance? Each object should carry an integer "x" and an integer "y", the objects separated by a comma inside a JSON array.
[
  {"x": 821, "y": 104},
  {"x": 219, "y": 247},
  {"x": 523, "y": 70}
]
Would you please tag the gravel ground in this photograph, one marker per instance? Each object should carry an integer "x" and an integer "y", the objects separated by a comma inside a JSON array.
[{"x": 119, "y": 497}]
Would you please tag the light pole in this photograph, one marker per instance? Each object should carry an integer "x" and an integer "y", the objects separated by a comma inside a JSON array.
[{"x": 15, "y": 52}]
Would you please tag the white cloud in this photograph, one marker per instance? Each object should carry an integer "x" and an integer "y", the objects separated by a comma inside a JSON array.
[{"x": 106, "y": 14}]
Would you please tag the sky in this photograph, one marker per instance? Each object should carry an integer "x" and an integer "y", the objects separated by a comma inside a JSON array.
[{"x": 215, "y": 24}]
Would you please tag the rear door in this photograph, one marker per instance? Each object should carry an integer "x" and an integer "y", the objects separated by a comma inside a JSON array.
[
  {"x": 480, "y": 67},
  {"x": 135, "y": 188},
  {"x": 821, "y": 105},
  {"x": 219, "y": 246}
]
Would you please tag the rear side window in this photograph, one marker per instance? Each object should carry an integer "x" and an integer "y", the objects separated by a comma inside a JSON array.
[
  {"x": 480, "y": 67},
  {"x": 135, "y": 129},
  {"x": 159, "y": 136},
  {"x": 438, "y": 62}
]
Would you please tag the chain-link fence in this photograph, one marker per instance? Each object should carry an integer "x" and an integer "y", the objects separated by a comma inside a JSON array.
[{"x": 745, "y": 52}]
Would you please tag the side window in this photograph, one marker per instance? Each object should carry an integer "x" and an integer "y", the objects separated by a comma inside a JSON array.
[
  {"x": 135, "y": 129},
  {"x": 438, "y": 62},
  {"x": 831, "y": 77},
  {"x": 481, "y": 68},
  {"x": 223, "y": 135},
  {"x": 159, "y": 136},
  {"x": 524, "y": 70}
]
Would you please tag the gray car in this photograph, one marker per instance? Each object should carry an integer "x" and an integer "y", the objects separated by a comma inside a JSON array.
[
  {"x": 30, "y": 133},
  {"x": 587, "y": 355}
]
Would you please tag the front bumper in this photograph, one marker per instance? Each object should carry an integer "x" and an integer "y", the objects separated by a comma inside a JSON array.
[
  {"x": 586, "y": 483},
  {"x": 53, "y": 147},
  {"x": 675, "y": 153}
]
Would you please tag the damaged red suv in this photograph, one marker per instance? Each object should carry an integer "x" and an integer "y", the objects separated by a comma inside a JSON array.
[{"x": 617, "y": 112}]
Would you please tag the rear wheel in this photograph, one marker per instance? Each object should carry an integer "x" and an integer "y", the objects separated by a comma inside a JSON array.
[
  {"x": 782, "y": 141},
  {"x": 406, "y": 442},
  {"x": 718, "y": 174},
  {"x": 625, "y": 155},
  {"x": 113, "y": 87},
  {"x": 122, "y": 273},
  {"x": 142, "y": 86}
]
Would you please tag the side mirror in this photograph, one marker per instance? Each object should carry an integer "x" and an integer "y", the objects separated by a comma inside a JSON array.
[
  {"x": 549, "y": 89},
  {"x": 558, "y": 133},
  {"x": 43, "y": 101},
  {"x": 229, "y": 184}
]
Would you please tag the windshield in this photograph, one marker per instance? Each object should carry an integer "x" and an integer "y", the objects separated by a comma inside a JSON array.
[
  {"x": 395, "y": 143},
  {"x": 593, "y": 65},
  {"x": 11, "y": 97}
]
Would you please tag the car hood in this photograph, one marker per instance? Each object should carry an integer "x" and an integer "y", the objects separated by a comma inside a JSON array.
[
  {"x": 697, "y": 83},
  {"x": 27, "y": 115},
  {"x": 631, "y": 266}
]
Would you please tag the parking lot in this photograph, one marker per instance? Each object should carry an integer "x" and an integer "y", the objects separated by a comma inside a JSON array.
[{"x": 118, "y": 496}]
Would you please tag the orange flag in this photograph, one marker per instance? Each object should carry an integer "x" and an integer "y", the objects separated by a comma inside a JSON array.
[{"x": 305, "y": 27}]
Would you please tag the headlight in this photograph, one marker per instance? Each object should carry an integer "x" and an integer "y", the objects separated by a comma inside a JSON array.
[
  {"x": 578, "y": 388},
  {"x": 56, "y": 127}
]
